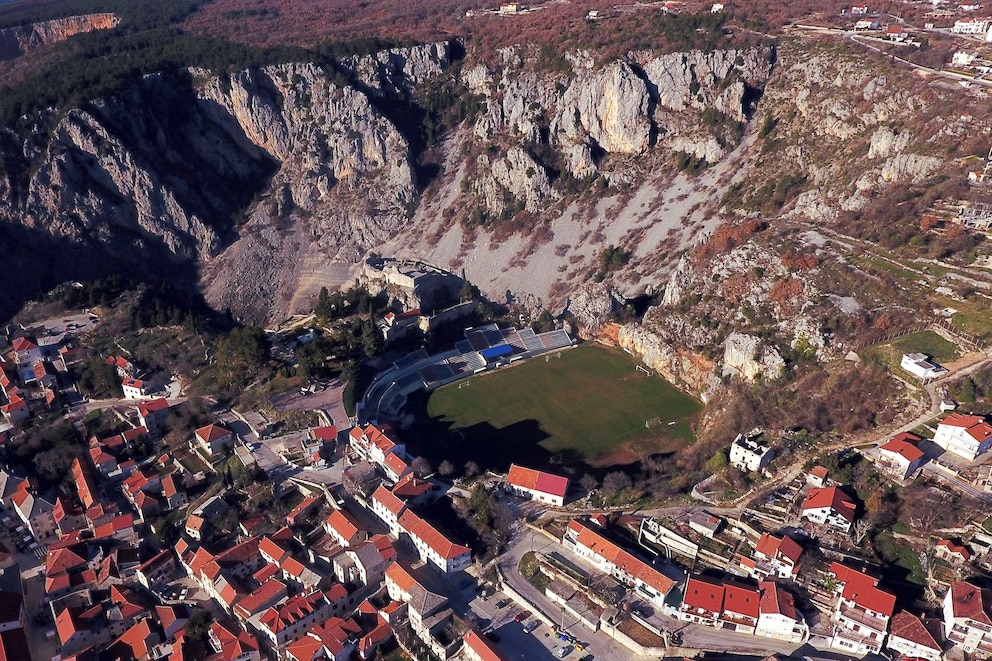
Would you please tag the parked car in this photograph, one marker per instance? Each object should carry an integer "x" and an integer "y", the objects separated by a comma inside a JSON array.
[
  {"x": 587, "y": 657},
  {"x": 521, "y": 616},
  {"x": 530, "y": 626},
  {"x": 493, "y": 636},
  {"x": 502, "y": 603},
  {"x": 563, "y": 652}
]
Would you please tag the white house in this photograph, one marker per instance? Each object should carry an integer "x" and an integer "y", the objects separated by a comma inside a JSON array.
[
  {"x": 750, "y": 453},
  {"x": 537, "y": 485},
  {"x": 968, "y": 618},
  {"x": 920, "y": 365},
  {"x": 900, "y": 455},
  {"x": 777, "y": 556},
  {"x": 778, "y": 616},
  {"x": 830, "y": 506},
  {"x": 134, "y": 388},
  {"x": 867, "y": 24},
  {"x": 214, "y": 438},
  {"x": 589, "y": 544},
  {"x": 862, "y": 611},
  {"x": 433, "y": 547},
  {"x": 970, "y": 27},
  {"x": 965, "y": 435},
  {"x": 912, "y": 639}
]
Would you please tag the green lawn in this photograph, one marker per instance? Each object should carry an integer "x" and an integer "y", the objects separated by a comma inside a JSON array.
[
  {"x": 582, "y": 406},
  {"x": 928, "y": 342}
]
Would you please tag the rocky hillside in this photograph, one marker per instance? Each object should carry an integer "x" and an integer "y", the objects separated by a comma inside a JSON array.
[
  {"x": 720, "y": 180},
  {"x": 17, "y": 41}
]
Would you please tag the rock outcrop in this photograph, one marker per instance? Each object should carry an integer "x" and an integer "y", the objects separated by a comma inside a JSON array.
[
  {"x": 747, "y": 357},
  {"x": 19, "y": 40}
]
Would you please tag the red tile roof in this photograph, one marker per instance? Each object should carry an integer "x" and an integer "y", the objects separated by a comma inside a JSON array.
[
  {"x": 328, "y": 433},
  {"x": 776, "y": 600},
  {"x": 389, "y": 500},
  {"x": 955, "y": 548},
  {"x": 401, "y": 575},
  {"x": 976, "y": 427},
  {"x": 904, "y": 445},
  {"x": 704, "y": 595},
  {"x": 261, "y": 598},
  {"x": 909, "y": 627},
  {"x": 779, "y": 547},
  {"x": 152, "y": 406},
  {"x": 482, "y": 648},
  {"x": 740, "y": 599},
  {"x": 528, "y": 478},
  {"x": 593, "y": 540},
  {"x": 212, "y": 433},
  {"x": 971, "y": 602},
  {"x": 859, "y": 587},
  {"x": 344, "y": 524},
  {"x": 24, "y": 344},
  {"x": 831, "y": 497},
  {"x": 431, "y": 536}
]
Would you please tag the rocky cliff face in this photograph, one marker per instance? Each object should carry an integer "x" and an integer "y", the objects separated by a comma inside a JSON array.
[{"x": 19, "y": 40}]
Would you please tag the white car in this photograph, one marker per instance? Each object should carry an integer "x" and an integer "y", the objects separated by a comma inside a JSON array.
[{"x": 565, "y": 651}]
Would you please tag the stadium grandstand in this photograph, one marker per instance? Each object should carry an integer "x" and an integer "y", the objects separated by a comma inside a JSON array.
[{"x": 483, "y": 348}]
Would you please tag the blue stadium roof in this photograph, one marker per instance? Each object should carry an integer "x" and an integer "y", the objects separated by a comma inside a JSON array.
[{"x": 495, "y": 352}]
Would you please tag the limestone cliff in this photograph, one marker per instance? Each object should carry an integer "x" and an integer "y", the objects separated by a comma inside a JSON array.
[{"x": 22, "y": 39}]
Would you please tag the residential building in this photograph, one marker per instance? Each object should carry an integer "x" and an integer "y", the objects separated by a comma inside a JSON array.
[
  {"x": 591, "y": 545},
  {"x": 968, "y": 618},
  {"x": 975, "y": 26},
  {"x": 345, "y": 529},
  {"x": 153, "y": 414},
  {"x": 428, "y": 611},
  {"x": 477, "y": 648},
  {"x": 373, "y": 444},
  {"x": 537, "y": 485},
  {"x": 952, "y": 551},
  {"x": 432, "y": 545},
  {"x": 911, "y": 638},
  {"x": 288, "y": 622},
  {"x": 830, "y": 506},
  {"x": 135, "y": 388},
  {"x": 861, "y": 613},
  {"x": 778, "y": 616},
  {"x": 388, "y": 507},
  {"x": 154, "y": 570},
  {"x": 964, "y": 435},
  {"x": 777, "y": 556},
  {"x": 37, "y": 512},
  {"x": 900, "y": 456},
  {"x": 231, "y": 643},
  {"x": 365, "y": 564},
  {"x": 921, "y": 366},
  {"x": 750, "y": 452},
  {"x": 215, "y": 439}
]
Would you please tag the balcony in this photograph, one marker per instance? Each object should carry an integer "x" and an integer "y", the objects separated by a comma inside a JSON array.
[{"x": 847, "y": 614}]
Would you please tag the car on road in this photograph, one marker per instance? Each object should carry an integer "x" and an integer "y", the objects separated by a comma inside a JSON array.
[
  {"x": 521, "y": 616},
  {"x": 502, "y": 603},
  {"x": 563, "y": 652}
]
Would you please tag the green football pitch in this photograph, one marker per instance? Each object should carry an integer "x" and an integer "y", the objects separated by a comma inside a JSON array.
[{"x": 589, "y": 404}]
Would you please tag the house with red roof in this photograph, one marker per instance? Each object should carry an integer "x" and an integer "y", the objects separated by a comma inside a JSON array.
[
  {"x": 36, "y": 511},
  {"x": 135, "y": 388},
  {"x": 215, "y": 438},
  {"x": 172, "y": 618},
  {"x": 862, "y": 611},
  {"x": 478, "y": 648},
  {"x": 123, "y": 366},
  {"x": 964, "y": 435},
  {"x": 265, "y": 596},
  {"x": 968, "y": 618},
  {"x": 778, "y": 616},
  {"x": 307, "y": 506},
  {"x": 432, "y": 545},
  {"x": 137, "y": 643},
  {"x": 952, "y": 551},
  {"x": 777, "y": 556},
  {"x": 288, "y": 622},
  {"x": 427, "y": 609},
  {"x": 537, "y": 485},
  {"x": 900, "y": 456},
  {"x": 702, "y": 601},
  {"x": 229, "y": 643},
  {"x": 740, "y": 608},
  {"x": 589, "y": 542},
  {"x": 388, "y": 507},
  {"x": 345, "y": 529},
  {"x": 152, "y": 414},
  {"x": 173, "y": 493},
  {"x": 373, "y": 444},
  {"x": 912, "y": 638},
  {"x": 365, "y": 564},
  {"x": 156, "y": 569},
  {"x": 16, "y": 411},
  {"x": 396, "y": 467},
  {"x": 830, "y": 506}
]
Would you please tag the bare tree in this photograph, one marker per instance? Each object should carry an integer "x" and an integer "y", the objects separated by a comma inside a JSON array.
[
  {"x": 422, "y": 467},
  {"x": 471, "y": 469},
  {"x": 860, "y": 530},
  {"x": 445, "y": 468},
  {"x": 616, "y": 482},
  {"x": 588, "y": 482}
]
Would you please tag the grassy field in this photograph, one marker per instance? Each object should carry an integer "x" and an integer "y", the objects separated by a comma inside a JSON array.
[
  {"x": 927, "y": 342},
  {"x": 590, "y": 405}
]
